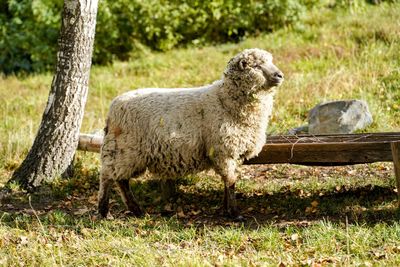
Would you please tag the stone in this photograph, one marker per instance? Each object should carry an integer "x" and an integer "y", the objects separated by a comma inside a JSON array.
[{"x": 339, "y": 117}]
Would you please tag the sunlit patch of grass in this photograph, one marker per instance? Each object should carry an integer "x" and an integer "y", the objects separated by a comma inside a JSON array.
[{"x": 154, "y": 241}]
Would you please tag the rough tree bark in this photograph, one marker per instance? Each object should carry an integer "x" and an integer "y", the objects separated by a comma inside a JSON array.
[{"x": 58, "y": 135}]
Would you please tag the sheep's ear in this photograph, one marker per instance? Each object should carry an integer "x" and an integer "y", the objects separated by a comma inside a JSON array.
[{"x": 242, "y": 64}]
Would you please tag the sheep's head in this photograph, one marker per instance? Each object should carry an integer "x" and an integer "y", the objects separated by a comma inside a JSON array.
[{"x": 252, "y": 71}]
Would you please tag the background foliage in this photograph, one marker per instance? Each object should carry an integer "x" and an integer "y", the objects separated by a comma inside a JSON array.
[
  {"x": 29, "y": 28},
  {"x": 28, "y": 34}
]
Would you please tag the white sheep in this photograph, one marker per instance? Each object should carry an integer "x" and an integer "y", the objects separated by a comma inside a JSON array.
[{"x": 176, "y": 132}]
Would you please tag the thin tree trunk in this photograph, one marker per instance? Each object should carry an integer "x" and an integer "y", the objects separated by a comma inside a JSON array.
[{"x": 58, "y": 135}]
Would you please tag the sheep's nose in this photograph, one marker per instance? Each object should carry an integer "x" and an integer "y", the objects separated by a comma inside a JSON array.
[{"x": 278, "y": 75}]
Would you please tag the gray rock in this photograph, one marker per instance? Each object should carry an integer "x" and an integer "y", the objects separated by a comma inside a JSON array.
[{"x": 343, "y": 116}]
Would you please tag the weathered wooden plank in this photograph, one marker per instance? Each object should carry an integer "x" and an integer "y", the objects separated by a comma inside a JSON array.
[
  {"x": 332, "y": 138},
  {"x": 395, "y": 146},
  {"x": 90, "y": 142},
  {"x": 324, "y": 154},
  {"x": 326, "y": 150}
]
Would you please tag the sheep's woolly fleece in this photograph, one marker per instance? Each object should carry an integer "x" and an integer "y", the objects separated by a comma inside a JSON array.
[{"x": 180, "y": 131}]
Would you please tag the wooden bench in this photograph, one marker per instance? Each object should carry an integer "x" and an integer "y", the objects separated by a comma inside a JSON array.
[{"x": 313, "y": 150}]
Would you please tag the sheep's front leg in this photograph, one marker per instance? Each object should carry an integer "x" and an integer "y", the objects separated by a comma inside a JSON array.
[
  {"x": 230, "y": 207},
  {"x": 128, "y": 198},
  {"x": 227, "y": 169}
]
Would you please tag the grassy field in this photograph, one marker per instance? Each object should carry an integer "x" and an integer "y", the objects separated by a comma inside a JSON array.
[{"x": 294, "y": 215}]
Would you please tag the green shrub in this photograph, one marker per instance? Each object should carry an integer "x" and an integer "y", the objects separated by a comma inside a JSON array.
[
  {"x": 28, "y": 34},
  {"x": 29, "y": 29},
  {"x": 161, "y": 25}
]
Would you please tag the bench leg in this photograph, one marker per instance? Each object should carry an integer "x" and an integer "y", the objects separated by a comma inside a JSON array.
[{"x": 395, "y": 146}]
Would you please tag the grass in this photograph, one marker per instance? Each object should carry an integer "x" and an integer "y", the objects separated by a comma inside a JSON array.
[{"x": 295, "y": 215}]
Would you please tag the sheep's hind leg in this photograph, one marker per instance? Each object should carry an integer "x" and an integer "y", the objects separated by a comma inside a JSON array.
[
  {"x": 128, "y": 198},
  {"x": 168, "y": 189},
  {"x": 104, "y": 193}
]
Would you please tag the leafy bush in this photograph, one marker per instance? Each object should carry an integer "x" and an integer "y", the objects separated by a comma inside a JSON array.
[
  {"x": 162, "y": 25},
  {"x": 29, "y": 28},
  {"x": 28, "y": 34}
]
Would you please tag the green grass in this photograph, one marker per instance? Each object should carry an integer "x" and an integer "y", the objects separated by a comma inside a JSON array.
[
  {"x": 153, "y": 241},
  {"x": 295, "y": 215}
]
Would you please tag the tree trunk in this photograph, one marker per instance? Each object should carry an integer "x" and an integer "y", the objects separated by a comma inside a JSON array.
[{"x": 58, "y": 135}]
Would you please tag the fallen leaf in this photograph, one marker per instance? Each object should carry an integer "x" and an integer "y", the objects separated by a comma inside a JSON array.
[
  {"x": 294, "y": 237},
  {"x": 157, "y": 200},
  {"x": 168, "y": 207},
  {"x": 181, "y": 214},
  {"x": 85, "y": 232},
  {"x": 81, "y": 211},
  {"x": 23, "y": 240},
  {"x": 195, "y": 212},
  {"x": 314, "y": 204}
]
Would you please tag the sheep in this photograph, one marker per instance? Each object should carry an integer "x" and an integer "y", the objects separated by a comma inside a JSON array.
[{"x": 176, "y": 132}]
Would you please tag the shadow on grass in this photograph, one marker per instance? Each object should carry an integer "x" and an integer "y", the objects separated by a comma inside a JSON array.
[{"x": 363, "y": 205}]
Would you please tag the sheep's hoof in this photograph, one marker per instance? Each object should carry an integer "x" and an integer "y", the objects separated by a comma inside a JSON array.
[
  {"x": 239, "y": 218},
  {"x": 106, "y": 216},
  {"x": 109, "y": 217},
  {"x": 139, "y": 213},
  {"x": 103, "y": 212},
  {"x": 234, "y": 215},
  {"x": 135, "y": 212}
]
